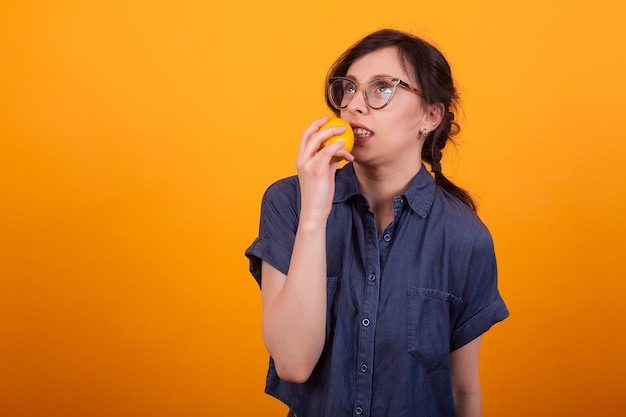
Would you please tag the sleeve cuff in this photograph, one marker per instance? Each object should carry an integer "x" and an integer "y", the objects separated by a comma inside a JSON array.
[
  {"x": 270, "y": 252},
  {"x": 479, "y": 324}
]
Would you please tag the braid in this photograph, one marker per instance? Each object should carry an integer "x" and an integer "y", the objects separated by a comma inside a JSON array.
[
  {"x": 436, "y": 145},
  {"x": 436, "y": 141},
  {"x": 432, "y": 154}
]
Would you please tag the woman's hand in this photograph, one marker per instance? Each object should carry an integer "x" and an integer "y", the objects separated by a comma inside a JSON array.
[{"x": 316, "y": 170}]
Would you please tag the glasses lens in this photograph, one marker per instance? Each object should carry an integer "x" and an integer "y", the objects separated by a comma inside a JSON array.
[
  {"x": 379, "y": 92},
  {"x": 340, "y": 92}
]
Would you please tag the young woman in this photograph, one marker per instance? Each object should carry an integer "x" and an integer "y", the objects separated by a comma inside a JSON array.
[{"x": 378, "y": 279}]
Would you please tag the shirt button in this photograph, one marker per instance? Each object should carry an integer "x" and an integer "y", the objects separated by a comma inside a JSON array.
[
  {"x": 365, "y": 322},
  {"x": 387, "y": 237},
  {"x": 364, "y": 367},
  {"x": 372, "y": 277},
  {"x": 358, "y": 411}
]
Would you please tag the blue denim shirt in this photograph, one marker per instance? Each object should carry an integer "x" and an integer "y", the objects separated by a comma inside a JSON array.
[{"x": 398, "y": 304}]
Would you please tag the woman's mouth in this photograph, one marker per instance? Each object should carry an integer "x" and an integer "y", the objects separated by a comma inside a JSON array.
[{"x": 361, "y": 133}]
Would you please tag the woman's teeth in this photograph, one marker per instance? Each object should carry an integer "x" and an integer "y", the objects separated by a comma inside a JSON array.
[{"x": 360, "y": 132}]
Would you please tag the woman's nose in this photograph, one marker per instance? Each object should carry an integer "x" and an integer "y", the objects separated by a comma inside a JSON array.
[{"x": 358, "y": 103}]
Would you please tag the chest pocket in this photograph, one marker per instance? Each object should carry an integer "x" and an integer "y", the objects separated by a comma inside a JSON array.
[{"x": 428, "y": 326}]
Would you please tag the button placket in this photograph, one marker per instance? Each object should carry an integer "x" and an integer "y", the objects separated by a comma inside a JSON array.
[{"x": 367, "y": 324}]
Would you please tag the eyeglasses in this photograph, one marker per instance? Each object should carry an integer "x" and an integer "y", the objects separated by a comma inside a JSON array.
[{"x": 377, "y": 92}]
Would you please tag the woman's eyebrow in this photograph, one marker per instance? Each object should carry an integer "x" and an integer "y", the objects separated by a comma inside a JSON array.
[{"x": 352, "y": 77}]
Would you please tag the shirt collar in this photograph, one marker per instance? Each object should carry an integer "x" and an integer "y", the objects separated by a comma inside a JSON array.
[{"x": 420, "y": 194}]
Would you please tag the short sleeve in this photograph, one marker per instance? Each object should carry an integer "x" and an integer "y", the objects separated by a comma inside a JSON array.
[
  {"x": 482, "y": 306},
  {"x": 277, "y": 228}
]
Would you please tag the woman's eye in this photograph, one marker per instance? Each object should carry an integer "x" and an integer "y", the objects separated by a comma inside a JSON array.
[
  {"x": 349, "y": 88},
  {"x": 383, "y": 87}
]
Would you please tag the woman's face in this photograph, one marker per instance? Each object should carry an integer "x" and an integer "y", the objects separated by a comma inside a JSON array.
[{"x": 391, "y": 135}]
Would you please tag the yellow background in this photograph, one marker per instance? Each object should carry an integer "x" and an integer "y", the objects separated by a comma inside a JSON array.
[{"x": 137, "y": 138}]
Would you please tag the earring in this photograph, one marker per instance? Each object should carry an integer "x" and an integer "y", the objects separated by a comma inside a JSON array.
[{"x": 425, "y": 133}]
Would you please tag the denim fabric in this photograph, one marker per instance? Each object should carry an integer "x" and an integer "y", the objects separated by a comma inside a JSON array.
[{"x": 398, "y": 303}]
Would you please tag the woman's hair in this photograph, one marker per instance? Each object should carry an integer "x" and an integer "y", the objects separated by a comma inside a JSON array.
[{"x": 432, "y": 73}]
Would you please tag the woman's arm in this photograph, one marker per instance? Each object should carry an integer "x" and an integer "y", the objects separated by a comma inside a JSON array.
[
  {"x": 465, "y": 380},
  {"x": 294, "y": 306}
]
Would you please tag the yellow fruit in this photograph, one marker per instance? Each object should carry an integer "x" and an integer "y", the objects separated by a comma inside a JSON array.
[{"x": 347, "y": 136}]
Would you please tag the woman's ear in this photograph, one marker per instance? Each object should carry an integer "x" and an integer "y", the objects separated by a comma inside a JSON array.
[{"x": 434, "y": 115}]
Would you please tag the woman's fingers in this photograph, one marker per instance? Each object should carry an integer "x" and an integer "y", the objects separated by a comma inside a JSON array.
[
  {"x": 335, "y": 152},
  {"x": 311, "y": 130},
  {"x": 312, "y": 140}
]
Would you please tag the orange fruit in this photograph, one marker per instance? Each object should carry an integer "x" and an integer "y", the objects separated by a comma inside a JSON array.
[{"x": 347, "y": 136}]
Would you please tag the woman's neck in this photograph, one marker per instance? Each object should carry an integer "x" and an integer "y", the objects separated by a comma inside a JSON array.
[{"x": 381, "y": 185}]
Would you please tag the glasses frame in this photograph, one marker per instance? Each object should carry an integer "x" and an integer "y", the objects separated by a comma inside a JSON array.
[{"x": 394, "y": 81}]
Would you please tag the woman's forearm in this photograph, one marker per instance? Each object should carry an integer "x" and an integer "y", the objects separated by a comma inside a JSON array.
[{"x": 294, "y": 324}]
